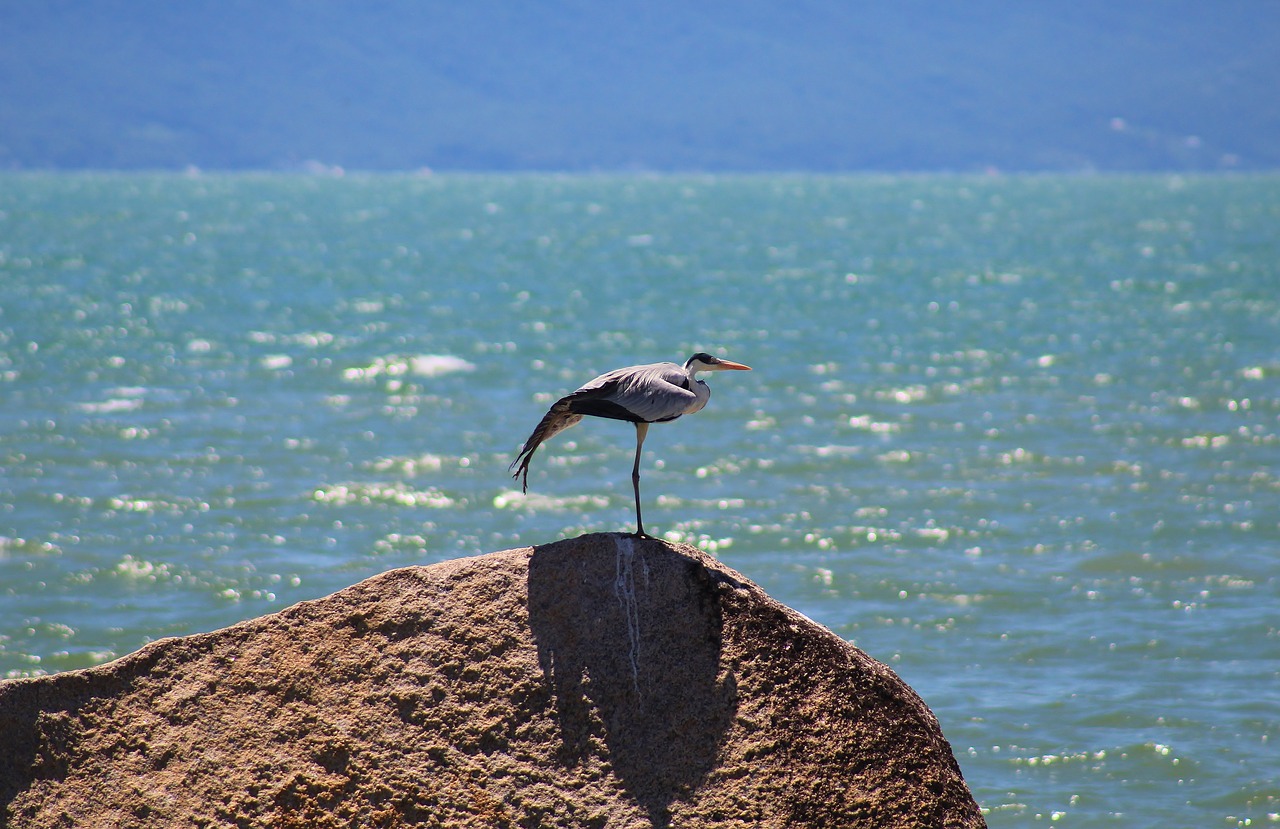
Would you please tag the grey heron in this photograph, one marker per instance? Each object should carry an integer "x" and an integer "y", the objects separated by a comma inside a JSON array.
[{"x": 653, "y": 393}]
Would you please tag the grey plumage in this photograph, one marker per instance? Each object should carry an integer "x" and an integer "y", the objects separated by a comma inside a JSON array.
[{"x": 653, "y": 393}]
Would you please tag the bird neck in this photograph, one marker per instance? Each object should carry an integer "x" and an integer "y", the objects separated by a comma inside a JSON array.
[{"x": 701, "y": 392}]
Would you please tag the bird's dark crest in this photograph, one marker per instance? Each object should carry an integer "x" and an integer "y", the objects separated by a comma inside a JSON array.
[{"x": 703, "y": 356}]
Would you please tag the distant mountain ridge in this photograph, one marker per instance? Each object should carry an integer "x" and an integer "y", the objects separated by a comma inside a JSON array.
[{"x": 569, "y": 85}]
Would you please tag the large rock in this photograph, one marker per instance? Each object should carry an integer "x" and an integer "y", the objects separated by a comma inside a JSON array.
[{"x": 595, "y": 682}]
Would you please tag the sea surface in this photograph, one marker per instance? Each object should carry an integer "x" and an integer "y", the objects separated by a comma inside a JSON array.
[{"x": 1017, "y": 437}]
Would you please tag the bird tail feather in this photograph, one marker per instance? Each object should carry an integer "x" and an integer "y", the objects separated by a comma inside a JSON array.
[{"x": 556, "y": 420}]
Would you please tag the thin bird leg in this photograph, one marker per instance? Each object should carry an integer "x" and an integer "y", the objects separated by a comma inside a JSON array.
[{"x": 642, "y": 429}]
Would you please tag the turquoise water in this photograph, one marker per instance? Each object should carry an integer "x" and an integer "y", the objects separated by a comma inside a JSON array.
[{"x": 1019, "y": 438}]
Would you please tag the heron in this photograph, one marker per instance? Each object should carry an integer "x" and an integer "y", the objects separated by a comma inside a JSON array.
[{"x": 652, "y": 393}]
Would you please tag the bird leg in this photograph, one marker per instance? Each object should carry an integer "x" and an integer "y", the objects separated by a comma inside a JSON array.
[{"x": 642, "y": 429}]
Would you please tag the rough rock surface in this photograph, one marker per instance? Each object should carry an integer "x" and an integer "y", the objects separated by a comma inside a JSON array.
[{"x": 600, "y": 681}]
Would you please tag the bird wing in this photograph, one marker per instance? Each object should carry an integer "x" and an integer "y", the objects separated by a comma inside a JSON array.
[{"x": 641, "y": 394}]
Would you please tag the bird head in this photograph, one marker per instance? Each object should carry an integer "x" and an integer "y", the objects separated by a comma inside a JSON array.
[{"x": 702, "y": 361}]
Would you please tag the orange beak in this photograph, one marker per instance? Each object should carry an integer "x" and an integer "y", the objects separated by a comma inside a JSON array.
[{"x": 730, "y": 365}]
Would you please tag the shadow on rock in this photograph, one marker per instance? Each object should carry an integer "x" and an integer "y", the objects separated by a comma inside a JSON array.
[{"x": 629, "y": 640}]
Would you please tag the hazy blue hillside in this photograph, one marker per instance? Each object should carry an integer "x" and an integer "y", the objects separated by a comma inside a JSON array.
[{"x": 659, "y": 84}]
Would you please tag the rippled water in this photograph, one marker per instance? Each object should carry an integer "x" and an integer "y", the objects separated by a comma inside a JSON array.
[{"x": 1017, "y": 437}]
